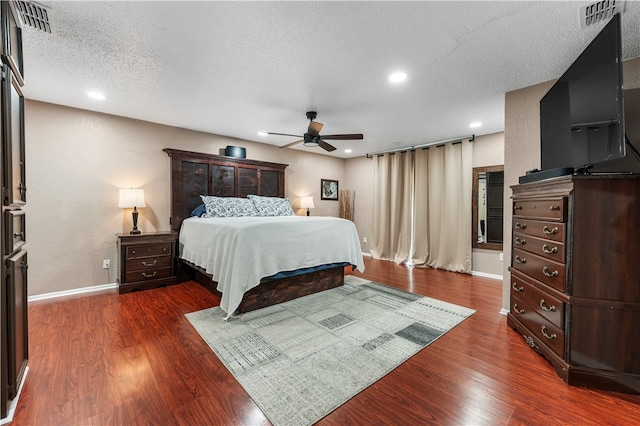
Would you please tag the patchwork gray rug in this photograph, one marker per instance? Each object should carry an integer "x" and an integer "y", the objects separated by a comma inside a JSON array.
[{"x": 302, "y": 359}]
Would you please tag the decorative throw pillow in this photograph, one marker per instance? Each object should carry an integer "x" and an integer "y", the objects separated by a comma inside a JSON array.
[
  {"x": 228, "y": 207},
  {"x": 271, "y": 206},
  {"x": 199, "y": 211}
]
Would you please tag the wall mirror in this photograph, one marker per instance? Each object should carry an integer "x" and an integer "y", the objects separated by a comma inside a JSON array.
[{"x": 487, "y": 204}]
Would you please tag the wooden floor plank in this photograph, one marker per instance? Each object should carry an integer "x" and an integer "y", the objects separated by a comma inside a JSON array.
[{"x": 110, "y": 358}]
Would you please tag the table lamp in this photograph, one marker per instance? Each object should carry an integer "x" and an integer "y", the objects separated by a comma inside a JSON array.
[
  {"x": 306, "y": 203},
  {"x": 132, "y": 198}
]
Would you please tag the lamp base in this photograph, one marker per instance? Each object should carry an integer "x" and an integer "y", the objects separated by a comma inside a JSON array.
[
  {"x": 135, "y": 230},
  {"x": 307, "y": 212}
]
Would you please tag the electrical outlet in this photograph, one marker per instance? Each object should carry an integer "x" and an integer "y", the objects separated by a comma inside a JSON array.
[
  {"x": 501, "y": 257},
  {"x": 364, "y": 240},
  {"x": 106, "y": 264}
]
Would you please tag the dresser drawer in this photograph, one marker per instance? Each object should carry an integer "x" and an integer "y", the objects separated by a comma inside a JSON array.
[
  {"x": 147, "y": 263},
  {"x": 548, "y": 230},
  {"x": 550, "y": 249},
  {"x": 539, "y": 326},
  {"x": 148, "y": 250},
  {"x": 545, "y": 304},
  {"x": 149, "y": 274},
  {"x": 545, "y": 270},
  {"x": 553, "y": 208}
]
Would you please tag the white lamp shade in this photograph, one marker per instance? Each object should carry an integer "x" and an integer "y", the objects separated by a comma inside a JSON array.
[
  {"x": 306, "y": 203},
  {"x": 130, "y": 198}
]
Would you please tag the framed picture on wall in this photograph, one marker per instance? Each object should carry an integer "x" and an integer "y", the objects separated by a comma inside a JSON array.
[{"x": 328, "y": 189}]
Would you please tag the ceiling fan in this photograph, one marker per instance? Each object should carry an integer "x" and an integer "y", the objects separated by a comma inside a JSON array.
[{"x": 313, "y": 138}]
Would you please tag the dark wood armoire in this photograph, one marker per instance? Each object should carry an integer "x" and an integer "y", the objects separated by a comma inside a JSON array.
[{"x": 13, "y": 299}]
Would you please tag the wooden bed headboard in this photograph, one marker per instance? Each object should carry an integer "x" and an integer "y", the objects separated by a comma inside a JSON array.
[{"x": 194, "y": 174}]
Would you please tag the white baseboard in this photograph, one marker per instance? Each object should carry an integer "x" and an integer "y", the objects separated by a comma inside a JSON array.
[
  {"x": 504, "y": 311},
  {"x": 72, "y": 292},
  {"x": 366, "y": 254},
  {"x": 486, "y": 275},
  {"x": 14, "y": 403}
]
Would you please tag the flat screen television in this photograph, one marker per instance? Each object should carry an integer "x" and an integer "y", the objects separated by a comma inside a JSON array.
[{"x": 582, "y": 115}]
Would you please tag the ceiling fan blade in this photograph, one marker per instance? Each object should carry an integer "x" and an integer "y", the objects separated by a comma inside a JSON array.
[
  {"x": 344, "y": 137},
  {"x": 314, "y": 128},
  {"x": 292, "y": 143},
  {"x": 326, "y": 146},
  {"x": 284, "y": 134}
]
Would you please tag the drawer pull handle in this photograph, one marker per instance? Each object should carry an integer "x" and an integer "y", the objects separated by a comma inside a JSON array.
[
  {"x": 520, "y": 241},
  {"x": 545, "y": 307},
  {"x": 517, "y": 310},
  {"x": 547, "y": 335},
  {"x": 516, "y": 288},
  {"x": 554, "y": 208},
  {"x": 552, "y": 250},
  {"x": 548, "y": 231},
  {"x": 19, "y": 235},
  {"x": 133, "y": 252},
  {"x": 521, "y": 225},
  {"x": 521, "y": 260},
  {"x": 530, "y": 342},
  {"x": 144, "y": 274},
  {"x": 164, "y": 249},
  {"x": 516, "y": 208},
  {"x": 149, "y": 264},
  {"x": 546, "y": 272}
]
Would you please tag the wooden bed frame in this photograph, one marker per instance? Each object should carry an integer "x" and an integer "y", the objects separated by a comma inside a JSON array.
[{"x": 194, "y": 174}]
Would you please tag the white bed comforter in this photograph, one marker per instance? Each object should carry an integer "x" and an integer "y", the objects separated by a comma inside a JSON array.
[{"x": 240, "y": 251}]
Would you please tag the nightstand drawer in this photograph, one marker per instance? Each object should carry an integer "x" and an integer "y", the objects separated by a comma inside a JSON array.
[
  {"x": 148, "y": 250},
  {"x": 147, "y": 263},
  {"x": 150, "y": 274}
]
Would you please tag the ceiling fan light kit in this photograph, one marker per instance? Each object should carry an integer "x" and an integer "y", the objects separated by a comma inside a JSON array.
[{"x": 313, "y": 138}]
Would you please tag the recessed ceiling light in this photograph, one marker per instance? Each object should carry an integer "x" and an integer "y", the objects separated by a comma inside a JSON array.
[
  {"x": 475, "y": 124},
  {"x": 96, "y": 95},
  {"x": 262, "y": 133},
  {"x": 348, "y": 151},
  {"x": 397, "y": 77}
]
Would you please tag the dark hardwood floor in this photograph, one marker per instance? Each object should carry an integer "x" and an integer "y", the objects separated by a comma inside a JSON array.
[{"x": 133, "y": 358}]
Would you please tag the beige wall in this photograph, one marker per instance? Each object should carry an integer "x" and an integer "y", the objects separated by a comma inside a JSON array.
[
  {"x": 76, "y": 162},
  {"x": 522, "y": 144}
]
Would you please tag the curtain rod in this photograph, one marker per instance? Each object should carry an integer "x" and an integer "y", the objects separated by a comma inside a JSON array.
[{"x": 410, "y": 148}]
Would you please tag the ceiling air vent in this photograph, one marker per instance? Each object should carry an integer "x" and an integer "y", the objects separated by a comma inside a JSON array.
[
  {"x": 34, "y": 15},
  {"x": 599, "y": 11}
]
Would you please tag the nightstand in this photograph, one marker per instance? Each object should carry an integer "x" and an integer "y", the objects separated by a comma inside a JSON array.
[{"x": 147, "y": 260}]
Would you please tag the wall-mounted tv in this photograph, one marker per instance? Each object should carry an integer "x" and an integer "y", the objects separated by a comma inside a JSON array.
[{"x": 582, "y": 115}]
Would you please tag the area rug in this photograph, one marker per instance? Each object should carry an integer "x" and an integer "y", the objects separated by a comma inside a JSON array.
[{"x": 302, "y": 359}]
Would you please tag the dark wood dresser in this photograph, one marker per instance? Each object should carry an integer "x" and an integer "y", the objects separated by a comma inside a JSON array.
[
  {"x": 147, "y": 260},
  {"x": 575, "y": 277}
]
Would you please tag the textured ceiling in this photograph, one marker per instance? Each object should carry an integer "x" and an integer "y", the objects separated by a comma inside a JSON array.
[{"x": 236, "y": 68}]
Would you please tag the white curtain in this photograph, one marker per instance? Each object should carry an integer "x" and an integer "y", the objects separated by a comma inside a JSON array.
[
  {"x": 393, "y": 188},
  {"x": 442, "y": 230}
]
